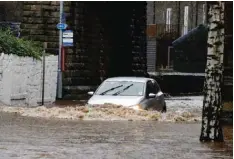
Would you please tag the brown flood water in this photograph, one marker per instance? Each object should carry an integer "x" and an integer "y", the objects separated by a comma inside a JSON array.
[{"x": 26, "y": 137}]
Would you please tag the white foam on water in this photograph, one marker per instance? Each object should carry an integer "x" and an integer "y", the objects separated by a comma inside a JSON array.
[{"x": 179, "y": 109}]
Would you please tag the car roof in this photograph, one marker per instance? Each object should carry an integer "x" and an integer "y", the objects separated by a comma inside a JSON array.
[{"x": 132, "y": 79}]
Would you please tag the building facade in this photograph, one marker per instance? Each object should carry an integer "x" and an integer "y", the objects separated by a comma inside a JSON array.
[
  {"x": 167, "y": 21},
  {"x": 132, "y": 39},
  {"x": 109, "y": 38}
]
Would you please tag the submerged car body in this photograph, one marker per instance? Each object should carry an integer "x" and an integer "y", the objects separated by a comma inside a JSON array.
[{"x": 132, "y": 92}]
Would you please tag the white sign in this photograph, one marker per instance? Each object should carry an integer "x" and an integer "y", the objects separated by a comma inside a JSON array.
[
  {"x": 68, "y": 34},
  {"x": 67, "y": 40}
]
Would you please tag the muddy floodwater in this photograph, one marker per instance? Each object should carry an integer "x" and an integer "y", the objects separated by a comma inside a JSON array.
[
  {"x": 178, "y": 109},
  {"x": 33, "y": 138}
]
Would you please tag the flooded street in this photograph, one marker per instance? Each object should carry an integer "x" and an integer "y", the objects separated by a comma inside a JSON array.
[
  {"x": 26, "y": 137},
  {"x": 178, "y": 109}
]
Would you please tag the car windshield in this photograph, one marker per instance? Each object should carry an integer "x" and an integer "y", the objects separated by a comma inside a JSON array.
[{"x": 121, "y": 88}]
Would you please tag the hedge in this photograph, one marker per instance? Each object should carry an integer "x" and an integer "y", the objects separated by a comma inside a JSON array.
[{"x": 10, "y": 44}]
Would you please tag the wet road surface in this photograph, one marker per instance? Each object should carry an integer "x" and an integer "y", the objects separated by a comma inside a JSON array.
[{"x": 25, "y": 137}]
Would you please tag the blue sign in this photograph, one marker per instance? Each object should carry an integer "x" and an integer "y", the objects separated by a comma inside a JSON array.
[{"x": 61, "y": 26}]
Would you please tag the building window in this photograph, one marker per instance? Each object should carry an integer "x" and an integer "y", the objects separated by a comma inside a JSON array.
[
  {"x": 186, "y": 15},
  {"x": 168, "y": 19}
]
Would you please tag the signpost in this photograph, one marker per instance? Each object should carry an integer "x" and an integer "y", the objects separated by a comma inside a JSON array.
[
  {"x": 65, "y": 40},
  {"x": 60, "y": 26}
]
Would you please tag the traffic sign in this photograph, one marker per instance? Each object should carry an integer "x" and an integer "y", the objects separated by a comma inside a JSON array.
[
  {"x": 68, "y": 34},
  {"x": 61, "y": 26},
  {"x": 68, "y": 38},
  {"x": 67, "y": 41}
]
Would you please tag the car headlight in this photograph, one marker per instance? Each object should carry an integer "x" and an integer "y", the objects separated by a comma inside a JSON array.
[
  {"x": 137, "y": 107},
  {"x": 88, "y": 105}
]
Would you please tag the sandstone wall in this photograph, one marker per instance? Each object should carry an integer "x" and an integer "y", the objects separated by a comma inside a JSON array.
[
  {"x": 40, "y": 20},
  {"x": 106, "y": 42}
]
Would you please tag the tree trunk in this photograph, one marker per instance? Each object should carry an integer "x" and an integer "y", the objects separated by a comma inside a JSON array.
[{"x": 212, "y": 105}]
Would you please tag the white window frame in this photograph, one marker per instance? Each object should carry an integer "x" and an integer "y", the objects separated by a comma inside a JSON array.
[
  {"x": 168, "y": 19},
  {"x": 204, "y": 13},
  {"x": 186, "y": 19}
]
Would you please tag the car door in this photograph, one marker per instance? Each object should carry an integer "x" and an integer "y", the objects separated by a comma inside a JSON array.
[
  {"x": 150, "y": 102},
  {"x": 159, "y": 98},
  {"x": 157, "y": 102}
]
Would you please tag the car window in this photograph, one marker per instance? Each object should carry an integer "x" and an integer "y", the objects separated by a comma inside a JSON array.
[
  {"x": 152, "y": 87},
  {"x": 121, "y": 88},
  {"x": 156, "y": 86}
]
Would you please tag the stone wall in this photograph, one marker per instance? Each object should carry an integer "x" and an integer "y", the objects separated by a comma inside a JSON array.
[
  {"x": 40, "y": 20},
  {"x": 11, "y": 11},
  {"x": 101, "y": 41},
  {"x": 105, "y": 45},
  {"x": 21, "y": 80}
]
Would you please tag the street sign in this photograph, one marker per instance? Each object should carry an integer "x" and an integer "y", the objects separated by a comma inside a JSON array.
[
  {"x": 61, "y": 26},
  {"x": 68, "y": 38},
  {"x": 67, "y": 42},
  {"x": 68, "y": 34}
]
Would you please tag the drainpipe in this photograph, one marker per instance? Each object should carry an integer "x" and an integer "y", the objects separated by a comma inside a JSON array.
[
  {"x": 196, "y": 21},
  {"x": 154, "y": 12},
  {"x": 178, "y": 25}
]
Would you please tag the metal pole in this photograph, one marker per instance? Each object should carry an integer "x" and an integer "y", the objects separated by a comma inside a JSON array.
[
  {"x": 169, "y": 56},
  {"x": 43, "y": 67},
  {"x": 59, "y": 83},
  {"x": 43, "y": 75}
]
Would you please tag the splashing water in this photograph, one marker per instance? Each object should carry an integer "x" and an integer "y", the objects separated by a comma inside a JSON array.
[{"x": 180, "y": 109}]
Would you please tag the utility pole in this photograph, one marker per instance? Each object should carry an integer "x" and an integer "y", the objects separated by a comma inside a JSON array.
[{"x": 59, "y": 82}]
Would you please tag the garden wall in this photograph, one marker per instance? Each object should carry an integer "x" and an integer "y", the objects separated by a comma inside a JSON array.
[{"x": 21, "y": 80}]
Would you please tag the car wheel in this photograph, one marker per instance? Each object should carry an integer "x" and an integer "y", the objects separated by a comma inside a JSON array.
[{"x": 164, "y": 110}]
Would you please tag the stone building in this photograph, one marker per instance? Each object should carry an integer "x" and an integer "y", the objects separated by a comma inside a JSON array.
[
  {"x": 109, "y": 39},
  {"x": 167, "y": 21},
  {"x": 132, "y": 39}
]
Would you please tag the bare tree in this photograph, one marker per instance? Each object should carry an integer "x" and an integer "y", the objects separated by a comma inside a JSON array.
[{"x": 212, "y": 104}]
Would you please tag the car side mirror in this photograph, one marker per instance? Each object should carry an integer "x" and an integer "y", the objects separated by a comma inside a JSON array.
[
  {"x": 90, "y": 93},
  {"x": 152, "y": 95}
]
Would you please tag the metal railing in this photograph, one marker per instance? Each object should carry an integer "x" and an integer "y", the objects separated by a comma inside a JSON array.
[{"x": 162, "y": 30}]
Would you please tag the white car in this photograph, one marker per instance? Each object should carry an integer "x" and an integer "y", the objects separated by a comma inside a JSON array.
[{"x": 132, "y": 92}]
